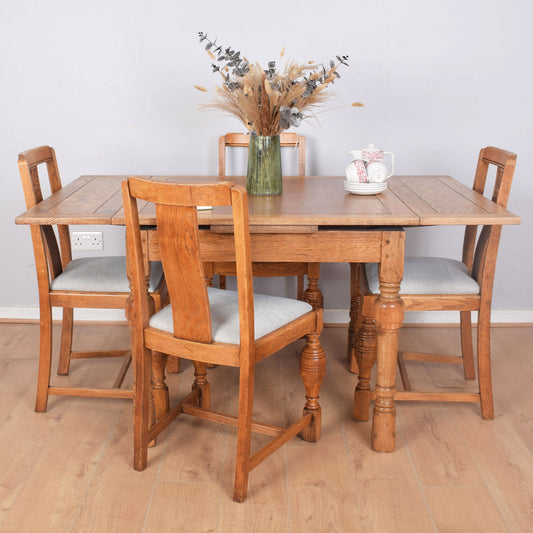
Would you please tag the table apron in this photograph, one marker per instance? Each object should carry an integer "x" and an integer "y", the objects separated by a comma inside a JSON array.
[{"x": 347, "y": 246}]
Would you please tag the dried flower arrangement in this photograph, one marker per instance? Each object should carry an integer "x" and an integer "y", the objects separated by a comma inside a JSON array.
[{"x": 269, "y": 101}]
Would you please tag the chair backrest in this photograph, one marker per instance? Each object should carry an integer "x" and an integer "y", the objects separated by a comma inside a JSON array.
[
  {"x": 480, "y": 255},
  {"x": 50, "y": 258},
  {"x": 177, "y": 226},
  {"x": 243, "y": 140}
]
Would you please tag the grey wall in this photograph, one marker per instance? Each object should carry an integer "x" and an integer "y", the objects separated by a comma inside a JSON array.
[{"x": 109, "y": 84}]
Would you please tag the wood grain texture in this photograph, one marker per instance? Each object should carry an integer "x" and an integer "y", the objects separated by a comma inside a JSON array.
[
  {"x": 473, "y": 510},
  {"x": 317, "y": 200},
  {"x": 460, "y": 470},
  {"x": 179, "y": 244}
]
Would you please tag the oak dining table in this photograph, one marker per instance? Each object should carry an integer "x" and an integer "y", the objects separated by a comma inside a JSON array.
[{"x": 314, "y": 220}]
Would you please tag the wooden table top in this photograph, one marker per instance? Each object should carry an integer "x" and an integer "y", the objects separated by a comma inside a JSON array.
[{"x": 310, "y": 201}]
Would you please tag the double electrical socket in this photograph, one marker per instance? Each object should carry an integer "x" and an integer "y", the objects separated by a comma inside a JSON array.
[{"x": 87, "y": 240}]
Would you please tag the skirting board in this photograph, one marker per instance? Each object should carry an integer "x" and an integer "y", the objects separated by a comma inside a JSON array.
[
  {"x": 331, "y": 316},
  {"x": 341, "y": 316}
]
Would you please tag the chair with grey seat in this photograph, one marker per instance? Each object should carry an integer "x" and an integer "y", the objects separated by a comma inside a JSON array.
[
  {"x": 211, "y": 326},
  {"x": 442, "y": 284},
  {"x": 97, "y": 282}
]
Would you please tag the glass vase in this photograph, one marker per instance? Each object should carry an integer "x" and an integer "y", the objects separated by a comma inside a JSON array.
[{"x": 264, "y": 166}]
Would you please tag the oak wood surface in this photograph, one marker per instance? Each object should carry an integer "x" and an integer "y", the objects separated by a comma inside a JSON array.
[
  {"x": 314, "y": 201},
  {"x": 341, "y": 220},
  {"x": 192, "y": 337}
]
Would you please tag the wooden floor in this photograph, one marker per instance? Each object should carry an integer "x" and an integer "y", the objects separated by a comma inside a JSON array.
[{"x": 69, "y": 470}]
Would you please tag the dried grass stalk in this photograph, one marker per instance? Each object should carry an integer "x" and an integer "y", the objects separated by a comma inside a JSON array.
[{"x": 260, "y": 98}]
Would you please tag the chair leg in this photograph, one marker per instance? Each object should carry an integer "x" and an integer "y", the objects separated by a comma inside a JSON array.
[
  {"x": 366, "y": 353},
  {"x": 221, "y": 281},
  {"x": 300, "y": 287},
  {"x": 45, "y": 358},
  {"x": 312, "y": 370},
  {"x": 355, "y": 317},
  {"x": 484, "y": 366},
  {"x": 201, "y": 383},
  {"x": 466, "y": 345},
  {"x": 141, "y": 407},
  {"x": 65, "y": 350},
  {"x": 173, "y": 365},
  {"x": 244, "y": 431},
  {"x": 159, "y": 386}
]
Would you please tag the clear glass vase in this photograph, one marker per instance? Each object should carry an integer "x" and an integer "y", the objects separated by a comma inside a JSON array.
[{"x": 264, "y": 166}]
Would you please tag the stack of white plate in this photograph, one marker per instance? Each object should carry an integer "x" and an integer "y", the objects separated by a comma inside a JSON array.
[{"x": 355, "y": 187}]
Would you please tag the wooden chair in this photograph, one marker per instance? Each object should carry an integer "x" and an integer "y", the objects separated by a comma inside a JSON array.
[
  {"x": 312, "y": 270},
  {"x": 439, "y": 284},
  {"x": 99, "y": 282},
  {"x": 209, "y": 325}
]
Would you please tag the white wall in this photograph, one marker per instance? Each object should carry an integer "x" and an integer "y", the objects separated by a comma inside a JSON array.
[{"x": 109, "y": 84}]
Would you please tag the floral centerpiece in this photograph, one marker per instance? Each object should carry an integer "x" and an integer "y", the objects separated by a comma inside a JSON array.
[{"x": 268, "y": 102}]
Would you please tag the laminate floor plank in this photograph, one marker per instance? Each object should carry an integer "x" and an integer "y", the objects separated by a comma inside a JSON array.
[
  {"x": 118, "y": 498},
  {"x": 506, "y": 465},
  {"x": 321, "y": 492},
  {"x": 17, "y": 376},
  {"x": 436, "y": 447},
  {"x": 389, "y": 495},
  {"x": 183, "y": 507},
  {"x": 70, "y": 469},
  {"x": 25, "y": 436},
  {"x": 464, "y": 509},
  {"x": 266, "y": 507},
  {"x": 512, "y": 389},
  {"x": 61, "y": 474}
]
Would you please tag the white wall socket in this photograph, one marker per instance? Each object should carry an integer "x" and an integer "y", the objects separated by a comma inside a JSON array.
[{"x": 87, "y": 240}]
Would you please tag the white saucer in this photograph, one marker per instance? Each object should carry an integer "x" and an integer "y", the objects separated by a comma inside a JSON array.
[{"x": 364, "y": 188}]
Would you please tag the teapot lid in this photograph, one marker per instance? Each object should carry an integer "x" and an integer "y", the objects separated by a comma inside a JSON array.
[{"x": 358, "y": 154}]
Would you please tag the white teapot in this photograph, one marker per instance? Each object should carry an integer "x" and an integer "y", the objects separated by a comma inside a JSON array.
[{"x": 368, "y": 165}]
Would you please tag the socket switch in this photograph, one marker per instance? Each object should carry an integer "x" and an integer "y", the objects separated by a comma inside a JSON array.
[{"x": 87, "y": 240}]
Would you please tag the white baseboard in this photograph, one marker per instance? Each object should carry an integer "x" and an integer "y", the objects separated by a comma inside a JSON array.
[
  {"x": 341, "y": 316},
  {"x": 331, "y": 316},
  {"x": 85, "y": 315}
]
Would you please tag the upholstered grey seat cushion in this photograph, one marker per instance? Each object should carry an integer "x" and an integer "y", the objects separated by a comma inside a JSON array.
[
  {"x": 429, "y": 275},
  {"x": 270, "y": 313},
  {"x": 101, "y": 274}
]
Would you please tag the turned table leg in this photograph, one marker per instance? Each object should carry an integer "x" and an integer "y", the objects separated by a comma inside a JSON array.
[
  {"x": 312, "y": 370},
  {"x": 365, "y": 353},
  {"x": 313, "y": 295},
  {"x": 355, "y": 316},
  {"x": 389, "y": 312}
]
